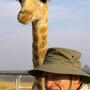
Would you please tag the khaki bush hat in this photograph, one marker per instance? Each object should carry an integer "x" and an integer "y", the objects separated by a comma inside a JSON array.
[{"x": 61, "y": 61}]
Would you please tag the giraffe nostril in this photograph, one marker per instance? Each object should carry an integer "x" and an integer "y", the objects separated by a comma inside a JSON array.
[{"x": 25, "y": 12}]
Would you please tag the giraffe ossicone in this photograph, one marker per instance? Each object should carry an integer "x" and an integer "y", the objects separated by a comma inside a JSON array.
[{"x": 36, "y": 11}]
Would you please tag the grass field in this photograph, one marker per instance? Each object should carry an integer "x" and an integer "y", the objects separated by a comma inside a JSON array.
[{"x": 10, "y": 85}]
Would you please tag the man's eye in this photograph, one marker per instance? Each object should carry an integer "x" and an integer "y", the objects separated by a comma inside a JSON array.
[{"x": 43, "y": 1}]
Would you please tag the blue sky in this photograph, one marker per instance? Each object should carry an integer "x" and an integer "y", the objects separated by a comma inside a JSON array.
[{"x": 69, "y": 27}]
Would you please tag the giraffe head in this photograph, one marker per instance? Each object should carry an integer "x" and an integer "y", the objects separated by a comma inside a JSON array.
[{"x": 32, "y": 10}]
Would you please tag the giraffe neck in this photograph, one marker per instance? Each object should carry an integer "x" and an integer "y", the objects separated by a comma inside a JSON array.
[{"x": 39, "y": 32}]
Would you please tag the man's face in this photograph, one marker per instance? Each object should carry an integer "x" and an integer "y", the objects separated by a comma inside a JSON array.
[{"x": 59, "y": 82}]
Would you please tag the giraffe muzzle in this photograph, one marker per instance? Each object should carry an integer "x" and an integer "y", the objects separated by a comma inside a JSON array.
[{"x": 24, "y": 16}]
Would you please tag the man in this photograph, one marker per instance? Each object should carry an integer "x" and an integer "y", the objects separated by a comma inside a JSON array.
[{"x": 62, "y": 70}]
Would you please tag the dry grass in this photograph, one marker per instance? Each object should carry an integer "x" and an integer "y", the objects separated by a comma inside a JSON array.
[{"x": 9, "y": 85}]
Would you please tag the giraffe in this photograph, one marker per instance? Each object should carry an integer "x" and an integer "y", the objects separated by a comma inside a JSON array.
[{"x": 36, "y": 12}]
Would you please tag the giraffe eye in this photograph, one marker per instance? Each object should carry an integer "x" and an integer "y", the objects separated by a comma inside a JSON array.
[{"x": 44, "y": 1}]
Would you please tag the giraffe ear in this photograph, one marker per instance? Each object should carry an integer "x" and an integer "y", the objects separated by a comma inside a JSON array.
[{"x": 43, "y": 1}]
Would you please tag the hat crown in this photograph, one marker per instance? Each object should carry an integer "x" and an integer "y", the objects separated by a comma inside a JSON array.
[{"x": 68, "y": 56}]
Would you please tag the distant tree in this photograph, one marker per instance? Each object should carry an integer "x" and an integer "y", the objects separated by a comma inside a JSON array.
[{"x": 86, "y": 67}]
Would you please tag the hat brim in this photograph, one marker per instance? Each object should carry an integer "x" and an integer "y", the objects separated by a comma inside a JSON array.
[{"x": 61, "y": 69}]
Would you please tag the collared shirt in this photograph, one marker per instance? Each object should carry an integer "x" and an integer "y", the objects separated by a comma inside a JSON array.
[{"x": 84, "y": 87}]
